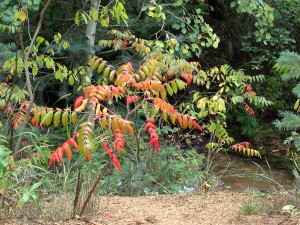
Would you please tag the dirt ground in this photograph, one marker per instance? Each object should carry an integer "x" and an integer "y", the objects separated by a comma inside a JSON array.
[{"x": 215, "y": 208}]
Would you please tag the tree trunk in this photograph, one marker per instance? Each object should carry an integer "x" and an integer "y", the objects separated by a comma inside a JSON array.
[{"x": 90, "y": 42}]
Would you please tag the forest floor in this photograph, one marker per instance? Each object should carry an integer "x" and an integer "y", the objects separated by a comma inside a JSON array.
[{"x": 222, "y": 207}]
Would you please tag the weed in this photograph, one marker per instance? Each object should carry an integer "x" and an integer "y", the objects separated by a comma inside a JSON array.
[{"x": 250, "y": 207}]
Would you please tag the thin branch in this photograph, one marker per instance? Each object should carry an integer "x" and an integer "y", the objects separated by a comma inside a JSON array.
[
  {"x": 26, "y": 56},
  {"x": 27, "y": 73}
]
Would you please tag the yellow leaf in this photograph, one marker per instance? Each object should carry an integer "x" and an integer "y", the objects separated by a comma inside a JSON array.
[
  {"x": 248, "y": 151},
  {"x": 112, "y": 75},
  {"x": 105, "y": 111},
  {"x": 146, "y": 70},
  {"x": 95, "y": 15},
  {"x": 296, "y": 104},
  {"x": 211, "y": 145},
  {"x": 109, "y": 120},
  {"x": 74, "y": 118},
  {"x": 103, "y": 122},
  {"x": 101, "y": 66},
  {"x": 155, "y": 111},
  {"x": 201, "y": 103},
  {"x": 65, "y": 118},
  {"x": 173, "y": 118},
  {"x": 223, "y": 70},
  {"x": 221, "y": 105},
  {"x": 56, "y": 118},
  {"x": 80, "y": 108},
  {"x": 106, "y": 71},
  {"x": 129, "y": 128},
  {"x": 141, "y": 73},
  {"x": 120, "y": 124},
  {"x": 65, "y": 44},
  {"x": 22, "y": 15},
  {"x": 17, "y": 15},
  {"x": 37, "y": 116},
  {"x": 114, "y": 124},
  {"x": 164, "y": 115}
]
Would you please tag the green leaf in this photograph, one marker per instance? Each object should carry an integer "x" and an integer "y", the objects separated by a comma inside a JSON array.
[
  {"x": 239, "y": 99},
  {"x": 24, "y": 199},
  {"x": 35, "y": 186},
  {"x": 178, "y": 3},
  {"x": 71, "y": 80},
  {"x": 35, "y": 199},
  {"x": 180, "y": 84},
  {"x": 159, "y": 44},
  {"x": 176, "y": 26},
  {"x": 76, "y": 19},
  {"x": 169, "y": 90},
  {"x": 215, "y": 44},
  {"x": 34, "y": 70},
  {"x": 84, "y": 17}
]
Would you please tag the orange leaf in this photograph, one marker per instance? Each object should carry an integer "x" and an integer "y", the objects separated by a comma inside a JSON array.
[
  {"x": 67, "y": 150},
  {"x": 179, "y": 118},
  {"x": 73, "y": 143},
  {"x": 88, "y": 156},
  {"x": 185, "y": 121},
  {"x": 129, "y": 128}
]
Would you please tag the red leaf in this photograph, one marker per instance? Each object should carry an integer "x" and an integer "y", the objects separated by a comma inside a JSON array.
[
  {"x": 152, "y": 141},
  {"x": 248, "y": 109},
  {"x": 56, "y": 157},
  {"x": 197, "y": 126},
  {"x": 78, "y": 102},
  {"x": 60, "y": 153},
  {"x": 150, "y": 120},
  {"x": 51, "y": 161},
  {"x": 116, "y": 162}
]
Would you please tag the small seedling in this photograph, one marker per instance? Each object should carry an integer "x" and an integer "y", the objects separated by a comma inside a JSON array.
[{"x": 290, "y": 209}]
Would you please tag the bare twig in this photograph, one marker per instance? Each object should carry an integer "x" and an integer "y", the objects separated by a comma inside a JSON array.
[
  {"x": 78, "y": 190},
  {"x": 99, "y": 178}
]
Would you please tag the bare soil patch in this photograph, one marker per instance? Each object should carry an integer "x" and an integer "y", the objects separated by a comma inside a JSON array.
[{"x": 214, "y": 208}]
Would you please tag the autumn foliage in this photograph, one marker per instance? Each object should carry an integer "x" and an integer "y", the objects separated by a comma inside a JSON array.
[
  {"x": 152, "y": 87},
  {"x": 244, "y": 147}
]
